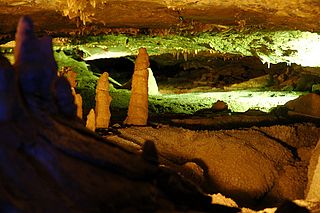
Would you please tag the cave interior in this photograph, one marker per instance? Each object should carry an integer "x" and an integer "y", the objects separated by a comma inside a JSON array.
[{"x": 233, "y": 107}]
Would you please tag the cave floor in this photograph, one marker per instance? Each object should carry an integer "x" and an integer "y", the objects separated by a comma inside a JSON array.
[
  {"x": 253, "y": 152},
  {"x": 257, "y": 167}
]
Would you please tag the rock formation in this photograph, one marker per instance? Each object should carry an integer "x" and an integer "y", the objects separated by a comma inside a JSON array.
[
  {"x": 77, "y": 102},
  {"x": 103, "y": 100},
  {"x": 138, "y": 106},
  {"x": 36, "y": 82},
  {"x": 307, "y": 105},
  {"x": 7, "y": 88},
  {"x": 91, "y": 120},
  {"x": 313, "y": 188},
  {"x": 71, "y": 75},
  {"x": 51, "y": 163},
  {"x": 152, "y": 84}
]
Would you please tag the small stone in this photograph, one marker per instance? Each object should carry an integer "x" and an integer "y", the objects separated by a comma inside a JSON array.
[
  {"x": 116, "y": 126},
  {"x": 219, "y": 106}
]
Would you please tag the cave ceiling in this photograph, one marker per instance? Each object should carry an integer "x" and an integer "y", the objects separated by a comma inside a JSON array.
[{"x": 273, "y": 30}]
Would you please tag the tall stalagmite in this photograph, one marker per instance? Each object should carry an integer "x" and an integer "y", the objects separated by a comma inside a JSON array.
[
  {"x": 103, "y": 100},
  {"x": 138, "y": 106}
]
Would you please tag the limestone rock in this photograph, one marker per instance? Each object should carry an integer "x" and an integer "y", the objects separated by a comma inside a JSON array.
[
  {"x": 77, "y": 102},
  {"x": 71, "y": 75},
  {"x": 307, "y": 104},
  {"x": 103, "y": 100},
  {"x": 91, "y": 120},
  {"x": 222, "y": 200},
  {"x": 313, "y": 188},
  {"x": 316, "y": 88},
  {"x": 219, "y": 106},
  {"x": 152, "y": 84},
  {"x": 7, "y": 77},
  {"x": 51, "y": 163},
  {"x": 138, "y": 106},
  {"x": 64, "y": 98},
  {"x": 36, "y": 82}
]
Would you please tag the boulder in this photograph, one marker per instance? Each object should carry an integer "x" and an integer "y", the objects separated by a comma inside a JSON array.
[{"x": 306, "y": 104}]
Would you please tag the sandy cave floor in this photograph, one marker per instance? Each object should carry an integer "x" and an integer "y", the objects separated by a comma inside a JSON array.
[
  {"x": 258, "y": 167},
  {"x": 252, "y": 152},
  {"x": 258, "y": 159}
]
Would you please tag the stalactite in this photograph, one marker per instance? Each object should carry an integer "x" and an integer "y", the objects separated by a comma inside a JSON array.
[
  {"x": 138, "y": 106},
  {"x": 103, "y": 100}
]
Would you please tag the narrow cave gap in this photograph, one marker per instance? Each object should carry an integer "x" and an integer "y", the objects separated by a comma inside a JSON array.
[{"x": 120, "y": 69}]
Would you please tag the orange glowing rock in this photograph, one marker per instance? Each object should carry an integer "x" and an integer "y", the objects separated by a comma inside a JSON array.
[
  {"x": 103, "y": 100},
  {"x": 91, "y": 120},
  {"x": 77, "y": 102},
  {"x": 71, "y": 75},
  {"x": 313, "y": 187},
  {"x": 138, "y": 106}
]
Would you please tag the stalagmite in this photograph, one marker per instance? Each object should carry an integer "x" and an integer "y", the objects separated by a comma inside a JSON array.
[
  {"x": 77, "y": 102},
  {"x": 152, "y": 84},
  {"x": 38, "y": 80},
  {"x": 103, "y": 100},
  {"x": 43, "y": 152},
  {"x": 91, "y": 120},
  {"x": 138, "y": 106}
]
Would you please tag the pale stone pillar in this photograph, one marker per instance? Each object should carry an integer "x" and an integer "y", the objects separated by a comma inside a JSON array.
[
  {"x": 138, "y": 106},
  {"x": 312, "y": 192},
  {"x": 103, "y": 100},
  {"x": 91, "y": 120},
  {"x": 152, "y": 84}
]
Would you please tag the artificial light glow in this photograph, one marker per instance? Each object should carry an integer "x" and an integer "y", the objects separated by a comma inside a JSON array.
[
  {"x": 237, "y": 101},
  {"x": 241, "y": 101},
  {"x": 107, "y": 54},
  {"x": 308, "y": 50}
]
